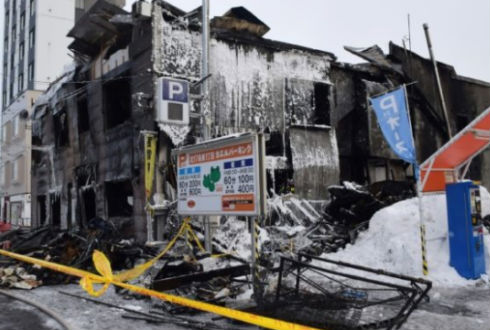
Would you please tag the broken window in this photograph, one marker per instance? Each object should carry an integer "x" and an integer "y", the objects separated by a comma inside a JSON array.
[
  {"x": 86, "y": 177},
  {"x": 82, "y": 109},
  {"x": 119, "y": 196},
  {"x": 274, "y": 146},
  {"x": 61, "y": 129},
  {"x": 322, "y": 104},
  {"x": 117, "y": 101},
  {"x": 307, "y": 102}
]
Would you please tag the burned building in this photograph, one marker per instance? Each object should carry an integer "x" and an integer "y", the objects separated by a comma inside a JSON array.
[
  {"x": 88, "y": 147},
  {"x": 364, "y": 155},
  {"x": 87, "y": 128}
]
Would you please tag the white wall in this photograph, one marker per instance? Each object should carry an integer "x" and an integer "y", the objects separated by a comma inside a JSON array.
[{"x": 54, "y": 19}]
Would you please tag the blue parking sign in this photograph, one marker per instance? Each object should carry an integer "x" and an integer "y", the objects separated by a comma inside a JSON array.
[{"x": 175, "y": 90}]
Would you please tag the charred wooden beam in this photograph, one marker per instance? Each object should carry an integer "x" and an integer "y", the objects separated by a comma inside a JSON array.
[{"x": 177, "y": 281}]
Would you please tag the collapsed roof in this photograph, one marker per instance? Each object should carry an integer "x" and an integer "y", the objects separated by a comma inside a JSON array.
[{"x": 95, "y": 28}]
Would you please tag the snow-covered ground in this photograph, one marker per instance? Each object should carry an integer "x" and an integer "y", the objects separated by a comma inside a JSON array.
[{"x": 392, "y": 242}]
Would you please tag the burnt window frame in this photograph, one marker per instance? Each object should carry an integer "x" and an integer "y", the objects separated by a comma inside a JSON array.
[
  {"x": 61, "y": 138},
  {"x": 115, "y": 205},
  {"x": 110, "y": 93},
  {"x": 83, "y": 116},
  {"x": 320, "y": 108}
]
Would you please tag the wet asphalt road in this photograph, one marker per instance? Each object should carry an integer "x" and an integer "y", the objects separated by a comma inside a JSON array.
[{"x": 17, "y": 315}]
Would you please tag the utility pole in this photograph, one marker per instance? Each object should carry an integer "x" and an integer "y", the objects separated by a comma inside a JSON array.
[
  {"x": 438, "y": 80},
  {"x": 205, "y": 106},
  {"x": 205, "y": 71}
]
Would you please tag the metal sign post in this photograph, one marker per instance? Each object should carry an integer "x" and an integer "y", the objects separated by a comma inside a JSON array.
[
  {"x": 225, "y": 176},
  {"x": 150, "y": 140}
]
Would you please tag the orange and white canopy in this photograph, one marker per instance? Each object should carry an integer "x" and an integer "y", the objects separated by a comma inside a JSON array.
[{"x": 451, "y": 162}]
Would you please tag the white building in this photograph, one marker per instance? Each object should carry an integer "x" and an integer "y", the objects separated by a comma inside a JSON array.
[{"x": 34, "y": 54}]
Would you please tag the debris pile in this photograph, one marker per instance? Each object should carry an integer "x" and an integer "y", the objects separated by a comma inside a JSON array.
[
  {"x": 213, "y": 281},
  {"x": 69, "y": 247},
  {"x": 303, "y": 226},
  {"x": 17, "y": 277}
]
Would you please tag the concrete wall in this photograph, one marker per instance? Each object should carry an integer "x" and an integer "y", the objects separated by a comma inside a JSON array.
[
  {"x": 16, "y": 155},
  {"x": 54, "y": 18},
  {"x": 256, "y": 85}
]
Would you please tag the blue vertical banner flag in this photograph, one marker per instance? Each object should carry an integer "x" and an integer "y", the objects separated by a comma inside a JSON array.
[{"x": 393, "y": 119}]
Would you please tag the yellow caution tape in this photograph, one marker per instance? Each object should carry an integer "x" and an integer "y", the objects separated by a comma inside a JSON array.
[
  {"x": 135, "y": 272},
  {"x": 103, "y": 266}
]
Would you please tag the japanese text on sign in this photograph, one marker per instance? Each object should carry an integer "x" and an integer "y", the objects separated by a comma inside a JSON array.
[{"x": 220, "y": 178}]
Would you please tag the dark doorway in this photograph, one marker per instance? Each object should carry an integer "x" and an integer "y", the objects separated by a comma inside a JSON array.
[
  {"x": 119, "y": 198},
  {"x": 89, "y": 203},
  {"x": 55, "y": 210},
  {"x": 69, "y": 213},
  {"x": 41, "y": 208}
]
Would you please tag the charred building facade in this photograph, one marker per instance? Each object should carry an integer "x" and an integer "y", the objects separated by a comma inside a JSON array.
[
  {"x": 88, "y": 147},
  {"x": 365, "y": 157},
  {"x": 88, "y": 157}
]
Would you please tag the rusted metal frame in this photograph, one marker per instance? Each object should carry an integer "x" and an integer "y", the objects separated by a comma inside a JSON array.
[
  {"x": 353, "y": 277},
  {"x": 370, "y": 270},
  {"x": 416, "y": 293}
]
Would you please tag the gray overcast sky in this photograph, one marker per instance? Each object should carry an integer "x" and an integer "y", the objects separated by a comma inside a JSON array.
[{"x": 460, "y": 30}]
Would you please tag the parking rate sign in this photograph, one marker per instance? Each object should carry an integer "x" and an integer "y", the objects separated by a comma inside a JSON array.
[{"x": 221, "y": 179}]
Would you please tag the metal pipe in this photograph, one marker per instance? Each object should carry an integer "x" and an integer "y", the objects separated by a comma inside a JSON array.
[{"x": 438, "y": 80}]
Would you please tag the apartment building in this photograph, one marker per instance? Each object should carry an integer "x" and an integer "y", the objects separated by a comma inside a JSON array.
[{"x": 34, "y": 55}]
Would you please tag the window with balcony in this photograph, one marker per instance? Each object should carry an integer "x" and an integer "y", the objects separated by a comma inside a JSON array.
[
  {"x": 15, "y": 170},
  {"x": 32, "y": 7},
  {"x": 21, "y": 51},
  {"x": 5, "y": 132},
  {"x": 11, "y": 96},
  {"x": 16, "y": 125},
  {"x": 6, "y": 174},
  {"x": 30, "y": 71},
  {"x": 21, "y": 82},
  {"x": 22, "y": 21},
  {"x": 32, "y": 37}
]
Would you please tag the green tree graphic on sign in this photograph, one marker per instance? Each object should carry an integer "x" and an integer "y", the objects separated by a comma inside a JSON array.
[{"x": 210, "y": 179}]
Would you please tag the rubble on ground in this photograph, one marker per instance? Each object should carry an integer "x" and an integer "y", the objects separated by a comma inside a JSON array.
[
  {"x": 313, "y": 227},
  {"x": 293, "y": 225},
  {"x": 69, "y": 247}
]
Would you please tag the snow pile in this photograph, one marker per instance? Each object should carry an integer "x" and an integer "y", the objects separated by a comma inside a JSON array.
[{"x": 392, "y": 242}]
